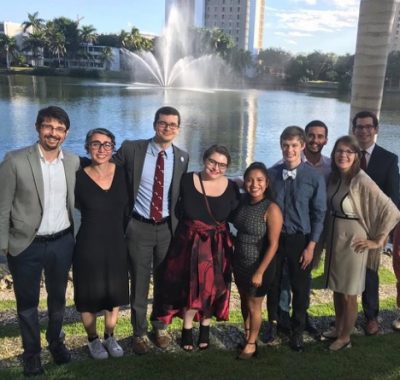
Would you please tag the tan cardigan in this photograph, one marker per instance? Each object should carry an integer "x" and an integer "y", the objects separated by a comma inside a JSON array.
[{"x": 376, "y": 212}]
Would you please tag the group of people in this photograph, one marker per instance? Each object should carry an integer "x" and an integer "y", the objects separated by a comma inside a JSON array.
[{"x": 143, "y": 216}]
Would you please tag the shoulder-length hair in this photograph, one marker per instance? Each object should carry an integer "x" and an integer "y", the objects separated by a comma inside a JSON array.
[{"x": 352, "y": 143}]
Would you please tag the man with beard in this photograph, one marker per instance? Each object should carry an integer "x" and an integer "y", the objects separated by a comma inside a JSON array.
[
  {"x": 316, "y": 139},
  {"x": 36, "y": 232}
]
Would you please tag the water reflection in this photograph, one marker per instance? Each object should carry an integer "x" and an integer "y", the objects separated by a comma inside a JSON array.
[{"x": 248, "y": 122}]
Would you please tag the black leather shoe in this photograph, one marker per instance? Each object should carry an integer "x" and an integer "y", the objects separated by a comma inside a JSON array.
[
  {"x": 59, "y": 352},
  {"x": 284, "y": 322},
  {"x": 312, "y": 329},
  {"x": 271, "y": 337},
  {"x": 296, "y": 342},
  {"x": 33, "y": 366}
]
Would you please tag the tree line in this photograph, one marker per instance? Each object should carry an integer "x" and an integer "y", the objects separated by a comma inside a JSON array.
[{"x": 63, "y": 38}]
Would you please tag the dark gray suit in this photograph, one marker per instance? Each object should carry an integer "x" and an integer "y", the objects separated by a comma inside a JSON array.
[
  {"x": 21, "y": 212},
  {"x": 384, "y": 170},
  {"x": 148, "y": 244}
]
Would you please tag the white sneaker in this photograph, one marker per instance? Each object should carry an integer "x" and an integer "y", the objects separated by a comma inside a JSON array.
[
  {"x": 113, "y": 348},
  {"x": 396, "y": 324},
  {"x": 97, "y": 350}
]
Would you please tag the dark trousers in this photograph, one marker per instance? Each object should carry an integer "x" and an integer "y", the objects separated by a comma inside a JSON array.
[
  {"x": 370, "y": 296},
  {"x": 148, "y": 245},
  {"x": 290, "y": 250},
  {"x": 54, "y": 258}
]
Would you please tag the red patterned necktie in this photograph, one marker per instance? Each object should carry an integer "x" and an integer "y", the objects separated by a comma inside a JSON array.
[
  {"x": 363, "y": 161},
  {"x": 158, "y": 189}
]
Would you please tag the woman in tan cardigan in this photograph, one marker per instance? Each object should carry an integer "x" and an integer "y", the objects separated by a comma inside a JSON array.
[{"x": 360, "y": 219}]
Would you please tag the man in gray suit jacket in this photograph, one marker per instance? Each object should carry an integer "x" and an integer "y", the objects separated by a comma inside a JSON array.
[
  {"x": 149, "y": 235},
  {"x": 36, "y": 232}
]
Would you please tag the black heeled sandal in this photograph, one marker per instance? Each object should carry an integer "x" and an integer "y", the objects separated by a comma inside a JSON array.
[
  {"x": 187, "y": 340},
  {"x": 248, "y": 355},
  {"x": 240, "y": 346},
  {"x": 204, "y": 337}
]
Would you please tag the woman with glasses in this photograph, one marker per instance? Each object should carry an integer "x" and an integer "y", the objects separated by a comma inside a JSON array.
[
  {"x": 100, "y": 267},
  {"x": 198, "y": 266},
  {"x": 360, "y": 219}
]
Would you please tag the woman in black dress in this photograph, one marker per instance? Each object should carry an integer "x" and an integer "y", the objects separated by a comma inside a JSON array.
[
  {"x": 198, "y": 265},
  {"x": 100, "y": 266},
  {"x": 259, "y": 223}
]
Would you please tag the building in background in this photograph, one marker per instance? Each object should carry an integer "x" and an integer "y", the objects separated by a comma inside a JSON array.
[
  {"x": 243, "y": 20},
  {"x": 14, "y": 29},
  {"x": 395, "y": 37}
]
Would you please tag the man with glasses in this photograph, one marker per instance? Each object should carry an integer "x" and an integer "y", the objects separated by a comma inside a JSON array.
[
  {"x": 382, "y": 166},
  {"x": 36, "y": 232},
  {"x": 154, "y": 169}
]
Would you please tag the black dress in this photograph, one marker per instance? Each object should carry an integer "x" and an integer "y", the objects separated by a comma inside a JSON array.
[
  {"x": 100, "y": 264},
  {"x": 250, "y": 246},
  {"x": 198, "y": 264}
]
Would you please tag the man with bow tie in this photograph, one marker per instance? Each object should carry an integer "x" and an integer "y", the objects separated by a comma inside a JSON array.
[{"x": 301, "y": 193}]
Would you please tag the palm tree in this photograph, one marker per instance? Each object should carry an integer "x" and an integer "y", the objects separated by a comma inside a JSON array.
[
  {"x": 56, "y": 43},
  {"x": 88, "y": 34},
  {"x": 33, "y": 21},
  {"x": 124, "y": 38},
  {"x": 374, "y": 28},
  {"x": 9, "y": 46},
  {"x": 134, "y": 41},
  {"x": 106, "y": 57},
  {"x": 35, "y": 42}
]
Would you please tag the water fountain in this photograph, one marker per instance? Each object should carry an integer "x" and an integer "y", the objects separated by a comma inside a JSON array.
[{"x": 175, "y": 61}]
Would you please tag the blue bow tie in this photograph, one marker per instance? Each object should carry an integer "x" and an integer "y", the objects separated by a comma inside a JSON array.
[{"x": 289, "y": 174}]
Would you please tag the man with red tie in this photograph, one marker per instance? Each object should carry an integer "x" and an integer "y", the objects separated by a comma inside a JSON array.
[
  {"x": 382, "y": 166},
  {"x": 154, "y": 169}
]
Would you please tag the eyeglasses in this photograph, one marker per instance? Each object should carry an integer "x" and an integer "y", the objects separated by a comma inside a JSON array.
[
  {"x": 222, "y": 166},
  {"x": 346, "y": 152},
  {"x": 107, "y": 146},
  {"x": 366, "y": 127},
  {"x": 164, "y": 124},
  {"x": 50, "y": 128}
]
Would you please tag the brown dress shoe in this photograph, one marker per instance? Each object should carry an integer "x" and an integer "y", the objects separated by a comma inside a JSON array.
[
  {"x": 372, "y": 327},
  {"x": 163, "y": 339},
  {"x": 141, "y": 345}
]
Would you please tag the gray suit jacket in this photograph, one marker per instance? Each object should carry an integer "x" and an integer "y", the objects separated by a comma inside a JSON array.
[
  {"x": 22, "y": 196},
  {"x": 132, "y": 154}
]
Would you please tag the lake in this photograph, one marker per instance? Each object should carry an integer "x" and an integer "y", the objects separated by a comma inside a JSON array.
[{"x": 248, "y": 122}]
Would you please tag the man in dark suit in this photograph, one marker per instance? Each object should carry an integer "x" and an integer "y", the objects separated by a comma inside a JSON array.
[
  {"x": 382, "y": 166},
  {"x": 152, "y": 224},
  {"x": 36, "y": 232}
]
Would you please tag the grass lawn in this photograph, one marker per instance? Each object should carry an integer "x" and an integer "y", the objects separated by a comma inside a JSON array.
[{"x": 370, "y": 358}]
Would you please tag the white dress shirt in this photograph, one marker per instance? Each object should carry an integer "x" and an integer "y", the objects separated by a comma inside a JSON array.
[{"x": 55, "y": 214}]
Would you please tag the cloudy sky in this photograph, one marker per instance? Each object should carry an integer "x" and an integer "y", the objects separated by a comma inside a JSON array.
[
  {"x": 293, "y": 25},
  {"x": 307, "y": 25}
]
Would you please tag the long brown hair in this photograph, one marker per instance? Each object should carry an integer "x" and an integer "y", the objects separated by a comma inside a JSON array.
[{"x": 352, "y": 143}]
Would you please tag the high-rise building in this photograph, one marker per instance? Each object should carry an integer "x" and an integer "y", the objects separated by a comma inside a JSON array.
[
  {"x": 395, "y": 37},
  {"x": 243, "y": 20}
]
